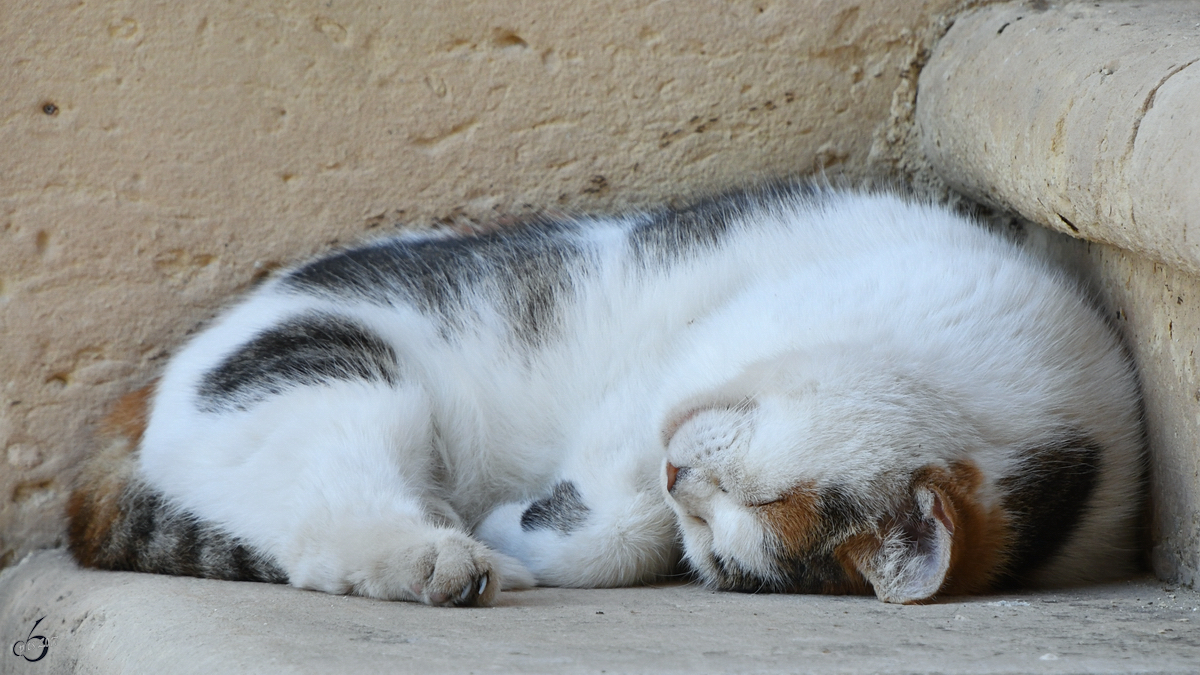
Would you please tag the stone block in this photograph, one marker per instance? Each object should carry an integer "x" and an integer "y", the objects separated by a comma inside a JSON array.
[{"x": 1084, "y": 117}]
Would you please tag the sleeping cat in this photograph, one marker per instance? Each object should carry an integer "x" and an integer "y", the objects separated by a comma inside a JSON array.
[{"x": 792, "y": 390}]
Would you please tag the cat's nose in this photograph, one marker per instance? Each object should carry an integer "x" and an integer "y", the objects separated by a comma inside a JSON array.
[{"x": 672, "y": 474}]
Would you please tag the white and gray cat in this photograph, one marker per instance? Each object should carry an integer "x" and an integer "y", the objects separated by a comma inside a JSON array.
[{"x": 793, "y": 390}]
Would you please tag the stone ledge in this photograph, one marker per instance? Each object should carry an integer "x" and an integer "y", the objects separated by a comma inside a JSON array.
[
  {"x": 1081, "y": 117},
  {"x": 104, "y": 622},
  {"x": 1156, "y": 308}
]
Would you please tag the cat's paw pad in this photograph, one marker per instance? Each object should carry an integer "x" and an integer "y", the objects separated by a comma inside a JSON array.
[{"x": 453, "y": 570}]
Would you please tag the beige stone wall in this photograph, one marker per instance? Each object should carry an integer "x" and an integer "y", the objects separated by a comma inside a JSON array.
[{"x": 157, "y": 157}]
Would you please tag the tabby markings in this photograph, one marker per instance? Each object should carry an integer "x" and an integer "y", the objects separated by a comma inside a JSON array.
[
  {"x": 532, "y": 266},
  {"x": 673, "y": 235},
  {"x": 118, "y": 522}
]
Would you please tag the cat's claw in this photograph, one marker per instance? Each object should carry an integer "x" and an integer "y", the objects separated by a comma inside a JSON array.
[
  {"x": 470, "y": 594},
  {"x": 453, "y": 570},
  {"x": 462, "y": 575}
]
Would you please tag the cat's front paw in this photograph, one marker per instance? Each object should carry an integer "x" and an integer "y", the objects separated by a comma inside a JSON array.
[{"x": 452, "y": 570}]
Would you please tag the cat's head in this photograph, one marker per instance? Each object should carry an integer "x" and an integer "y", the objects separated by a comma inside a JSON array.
[{"x": 798, "y": 477}]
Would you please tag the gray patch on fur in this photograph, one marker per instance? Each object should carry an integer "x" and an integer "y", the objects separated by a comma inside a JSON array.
[
  {"x": 841, "y": 514},
  {"x": 563, "y": 511},
  {"x": 529, "y": 268},
  {"x": 535, "y": 283},
  {"x": 310, "y": 349},
  {"x": 525, "y": 272},
  {"x": 674, "y": 235}
]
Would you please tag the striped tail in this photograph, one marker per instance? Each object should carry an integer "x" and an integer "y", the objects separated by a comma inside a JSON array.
[{"x": 118, "y": 522}]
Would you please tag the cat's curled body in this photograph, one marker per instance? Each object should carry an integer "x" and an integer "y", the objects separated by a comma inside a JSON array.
[{"x": 795, "y": 389}]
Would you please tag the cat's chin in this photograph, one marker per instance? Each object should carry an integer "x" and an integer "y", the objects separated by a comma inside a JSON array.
[{"x": 728, "y": 550}]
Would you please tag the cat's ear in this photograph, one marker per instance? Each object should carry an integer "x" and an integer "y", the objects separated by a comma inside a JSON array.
[{"x": 913, "y": 553}]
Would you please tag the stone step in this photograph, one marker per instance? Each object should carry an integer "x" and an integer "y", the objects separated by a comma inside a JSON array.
[{"x": 108, "y": 622}]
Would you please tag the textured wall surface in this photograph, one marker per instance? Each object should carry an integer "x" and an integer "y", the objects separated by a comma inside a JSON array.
[
  {"x": 1158, "y": 310},
  {"x": 157, "y": 157}
]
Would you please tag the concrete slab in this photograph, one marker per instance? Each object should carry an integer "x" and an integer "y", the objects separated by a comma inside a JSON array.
[
  {"x": 1081, "y": 117},
  {"x": 104, "y": 622}
]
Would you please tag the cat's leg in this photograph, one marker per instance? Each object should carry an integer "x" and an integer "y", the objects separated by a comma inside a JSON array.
[
  {"x": 378, "y": 528},
  {"x": 606, "y": 524},
  {"x": 335, "y": 483}
]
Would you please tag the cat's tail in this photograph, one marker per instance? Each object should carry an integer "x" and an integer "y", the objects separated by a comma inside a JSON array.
[{"x": 118, "y": 522}]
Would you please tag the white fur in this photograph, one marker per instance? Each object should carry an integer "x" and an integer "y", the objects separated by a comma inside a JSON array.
[{"x": 967, "y": 347}]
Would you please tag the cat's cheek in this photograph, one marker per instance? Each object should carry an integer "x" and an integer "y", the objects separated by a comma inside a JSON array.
[
  {"x": 697, "y": 551},
  {"x": 693, "y": 531},
  {"x": 732, "y": 534},
  {"x": 738, "y": 535}
]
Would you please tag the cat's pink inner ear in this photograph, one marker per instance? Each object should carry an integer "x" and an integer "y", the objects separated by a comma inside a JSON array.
[
  {"x": 938, "y": 510},
  {"x": 981, "y": 535}
]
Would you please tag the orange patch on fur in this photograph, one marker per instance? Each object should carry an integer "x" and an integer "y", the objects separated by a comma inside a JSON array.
[
  {"x": 981, "y": 534},
  {"x": 94, "y": 505},
  {"x": 128, "y": 417},
  {"x": 794, "y": 518}
]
